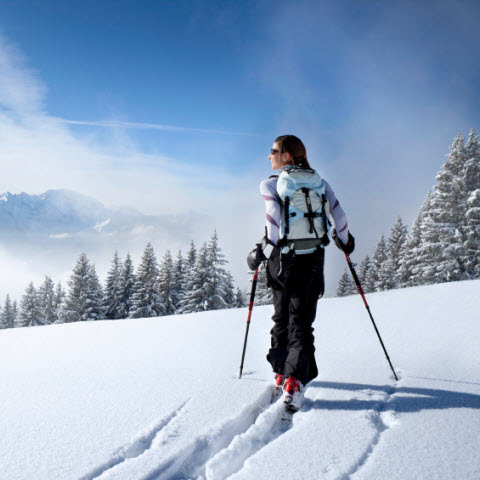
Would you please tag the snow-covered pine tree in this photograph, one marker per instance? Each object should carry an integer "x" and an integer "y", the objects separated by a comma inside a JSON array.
[
  {"x": 240, "y": 301},
  {"x": 46, "y": 298},
  {"x": 376, "y": 274},
  {"x": 59, "y": 300},
  {"x": 345, "y": 285},
  {"x": 396, "y": 242},
  {"x": 112, "y": 293},
  {"x": 472, "y": 235},
  {"x": 263, "y": 293},
  {"x": 178, "y": 280},
  {"x": 229, "y": 290},
  {"x": 96, "y": 310},
  {"x": 220, "y": 292},
  {"x": 166, "y": 283},
  {"x": 127, "y": 288},
  {"x": 442, "y": 250},
  {"x": 15, "y": 313},
  {"x": 472, "y": 215},
  {"x": 84, "y": 300},
  {"x": 363, "y": 276},
  {"x": 410, "y": 270},
  {"x": 30, "y": 313},
  {"x": 191, "y": 256},
  {"x": 188, "y": 278},
  {"x": 147, "y": 301},
  {"x": 197, "y": 288},
  {"x": 8, "y": 317}
]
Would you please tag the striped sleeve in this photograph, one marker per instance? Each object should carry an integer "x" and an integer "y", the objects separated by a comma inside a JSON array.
[
  {"x": 337, "y": 213},
  {"x": 268, "y": 189}
]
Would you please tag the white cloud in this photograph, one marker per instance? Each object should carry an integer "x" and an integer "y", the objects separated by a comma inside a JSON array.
[
  {"x": 150, "y": 126},
  {"x": 39, "y": 152}
]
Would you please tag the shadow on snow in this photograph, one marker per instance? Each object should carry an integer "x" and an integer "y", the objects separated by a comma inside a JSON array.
[{"x": 405, "y": 399}]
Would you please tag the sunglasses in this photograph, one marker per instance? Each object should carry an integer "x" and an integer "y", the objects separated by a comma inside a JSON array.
[{"x": 273, "y": 151}]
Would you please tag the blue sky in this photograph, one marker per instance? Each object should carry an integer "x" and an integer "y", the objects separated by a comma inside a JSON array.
[{"x": 377, "y": 91}]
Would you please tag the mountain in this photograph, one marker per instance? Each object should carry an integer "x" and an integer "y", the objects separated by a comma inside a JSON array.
[
  {"x": 160, "y": 398},
  {"x": 63, "y": 213},
  {"x": 44, "y": 235}
]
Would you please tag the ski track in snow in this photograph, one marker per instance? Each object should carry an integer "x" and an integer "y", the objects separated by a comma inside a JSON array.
[
  {"x": 139, "y": 445},
  {"x": 223, "y": 450},
  {"x": 219, "y": 453},
  {"x": 382, "y": 418}
]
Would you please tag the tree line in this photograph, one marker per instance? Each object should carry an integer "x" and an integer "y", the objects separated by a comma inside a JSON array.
[
  {"x": 444, "y": 242},
  {"x": 195, "y": 283}
]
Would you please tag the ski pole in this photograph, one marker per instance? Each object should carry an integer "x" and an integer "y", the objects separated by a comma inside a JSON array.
[
  {"x": 360, "y": 290},
  {"x": 250, "y": 308}
]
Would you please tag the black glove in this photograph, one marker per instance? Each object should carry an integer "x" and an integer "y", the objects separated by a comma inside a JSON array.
[
  {"x": 348, "y": 247},
  {"x": 255, "y": 257}
]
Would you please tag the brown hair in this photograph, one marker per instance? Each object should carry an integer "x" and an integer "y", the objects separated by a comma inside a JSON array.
[{"x": 295, "y": 147}]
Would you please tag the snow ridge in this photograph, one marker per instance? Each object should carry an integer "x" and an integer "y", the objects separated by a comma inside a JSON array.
[
  {"x": 191, "y": 461},
  {"x": 265, "y": 430},
  {"x": 382, "y": 417},
  {"x": 139, "y": 445}
]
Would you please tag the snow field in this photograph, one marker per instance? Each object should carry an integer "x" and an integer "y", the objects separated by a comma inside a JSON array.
[{"x": 160, "y": 399}]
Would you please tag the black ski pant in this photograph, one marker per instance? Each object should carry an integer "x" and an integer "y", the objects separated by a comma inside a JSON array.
[{"x": 297, "y": 282}]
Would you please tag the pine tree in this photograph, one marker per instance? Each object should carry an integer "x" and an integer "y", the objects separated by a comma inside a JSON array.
[
  {"x": 112, "y": 295},
  {"x": 263, "y": 293},
  {"x": 127, "y": 288},
  {"x": 376, "y": 274},
  {"x": 364, "y": 276},
  {"x": 30, "y": 308},
  {"x": 96, "y": 308},
  {"x": 240, "y": 299},
  {"x": 191, "y": 256},
  {"x": 46, "y": 297},
  {"x": 8, "y": 318},
  {"x": 15, "y": 312},
  {"x": 178, "y": 280},
  {"x": 188, "y": 279},
  {"x": 84, "y": 300},
  {"x": 472, "y": 234},
  {"x": 410, "y": 269},
  {"x": 472, "y": 215},
  {"x": 220, "y": 290},
  {"x": 345, "y": 285},
  {"x": 442, "y": 250},
  {"x": 197, "y": 286},
  {"x": 58, "y": 304},
  {"x": 166, "y": 283},
  {"x": 147, "y": 301},
  {"x": 396, "y": 242}
]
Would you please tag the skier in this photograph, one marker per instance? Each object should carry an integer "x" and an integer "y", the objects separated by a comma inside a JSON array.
[{"x": 293, "y": 249}]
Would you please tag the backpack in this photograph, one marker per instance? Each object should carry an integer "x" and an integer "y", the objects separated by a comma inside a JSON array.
[{"x": 304, "y": 223}]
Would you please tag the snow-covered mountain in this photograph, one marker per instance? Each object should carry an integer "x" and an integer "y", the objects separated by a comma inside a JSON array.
[
  {"x": 63, "y": 213},
  {"x": 160, "y": 399},
  {"x": 45, "y": 234}
]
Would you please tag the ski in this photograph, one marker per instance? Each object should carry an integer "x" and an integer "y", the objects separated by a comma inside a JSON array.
[{"x": 286, "y": 414}]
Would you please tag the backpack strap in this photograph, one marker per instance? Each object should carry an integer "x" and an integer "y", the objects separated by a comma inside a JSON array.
[
  {"x": 286, "y": 215},
  {"x": 310, "y": 215},
  {"x": 325, "y": 220}
]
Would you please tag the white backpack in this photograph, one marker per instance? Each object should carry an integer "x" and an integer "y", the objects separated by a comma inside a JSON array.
[{"x": 304, "y": 224}]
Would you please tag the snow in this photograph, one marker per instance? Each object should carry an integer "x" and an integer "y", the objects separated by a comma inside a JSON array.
[{"x": 160, "y": 398}]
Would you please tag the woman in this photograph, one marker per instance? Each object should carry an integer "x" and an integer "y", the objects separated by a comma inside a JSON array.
[{"x": 296, "y": 277}]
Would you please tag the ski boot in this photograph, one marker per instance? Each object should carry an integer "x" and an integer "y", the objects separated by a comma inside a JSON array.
[
  {"x": 277, "y": 387},
  {"x": 293, "y": 394}
]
